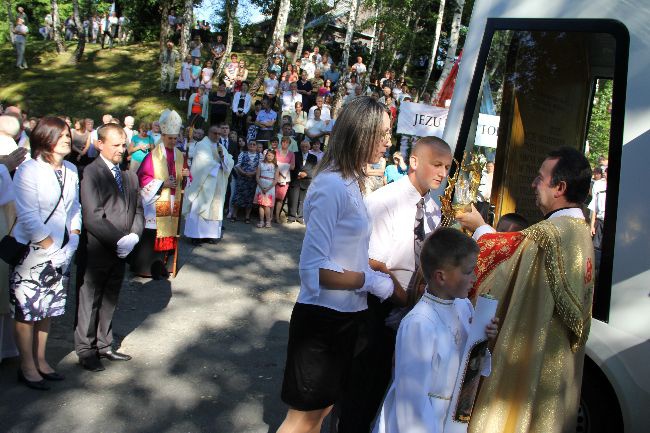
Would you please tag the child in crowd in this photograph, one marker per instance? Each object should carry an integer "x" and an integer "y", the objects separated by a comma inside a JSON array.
[
  {"x": 206, "y": 76},
  {"x": 195, "y": 75},
  {"x": 184, "y": 80},
  {"x": 267, "y": 177},
  {"x": 431, "y": 338}
]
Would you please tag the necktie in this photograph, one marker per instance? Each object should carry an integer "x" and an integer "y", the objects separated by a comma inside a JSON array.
[
  {"x": 118, "y": 178},
  {"x": 418, "y": 239}
]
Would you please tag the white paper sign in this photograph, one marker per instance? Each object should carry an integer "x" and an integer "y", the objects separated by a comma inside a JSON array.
[
  {"x": 469, "y": 376},
  {"x": 421, "y": 120},
  {"x": 487, "y": 131}
]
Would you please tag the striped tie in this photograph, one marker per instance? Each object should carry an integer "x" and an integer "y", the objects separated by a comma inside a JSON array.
[{"x": 118, "y": 178}]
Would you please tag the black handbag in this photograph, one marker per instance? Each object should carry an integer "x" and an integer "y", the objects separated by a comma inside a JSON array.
[{"x": 13, "y": 252}]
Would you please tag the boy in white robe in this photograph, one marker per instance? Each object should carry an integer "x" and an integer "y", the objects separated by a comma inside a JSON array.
[{"x": 431, "y": 338}]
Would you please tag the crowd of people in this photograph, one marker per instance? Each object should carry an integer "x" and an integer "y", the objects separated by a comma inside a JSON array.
[{"x": 386, "y": 293}]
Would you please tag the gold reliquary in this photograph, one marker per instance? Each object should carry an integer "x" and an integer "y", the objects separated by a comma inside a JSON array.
[{"x": 462, "y": 187}]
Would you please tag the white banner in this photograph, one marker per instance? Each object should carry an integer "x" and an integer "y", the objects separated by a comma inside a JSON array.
[
  {"x": 427, "y": 121},
  {"x": 487, "y": 130},
  {"x": 421, "y": 120}
]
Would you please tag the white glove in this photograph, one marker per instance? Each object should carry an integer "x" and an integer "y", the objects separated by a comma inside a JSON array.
[
  {"x": 378, "y": 284},
  {"x": 126, "y": 244},
  {"x": 56, "y": 256}
]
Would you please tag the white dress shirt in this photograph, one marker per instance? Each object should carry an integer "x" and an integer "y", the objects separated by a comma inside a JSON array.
[
  {"x": 289, "y": 102},
  {"x": 337, "y": 237},
  {"x": 392, "y": 211},
  {"x": 324, "y": 113},
  {"x": 37, "y": 193}
]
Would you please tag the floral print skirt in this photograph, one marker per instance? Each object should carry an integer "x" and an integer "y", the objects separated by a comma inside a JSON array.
[{"x": 36, "y": 289}]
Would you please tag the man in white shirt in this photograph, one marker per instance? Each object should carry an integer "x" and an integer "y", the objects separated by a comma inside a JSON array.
[
  {"x": 316, "y": 53},
  {"x": 485, "y": 189},
  {"x": 360, "y": 67},
  {"x": 271, "y": 85},
  {"x": 289, "y": 100},
  {"x": 325, "y": 114},
  {"x": 393, "y": 211},
  {"x": 128, "y": 128}
]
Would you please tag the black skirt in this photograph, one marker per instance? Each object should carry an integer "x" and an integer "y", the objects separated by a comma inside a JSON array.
[{"x": 322, "y": 344}]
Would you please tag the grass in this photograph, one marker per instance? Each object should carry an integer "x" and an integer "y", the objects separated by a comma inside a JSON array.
[{"x": 122, "y": 81}]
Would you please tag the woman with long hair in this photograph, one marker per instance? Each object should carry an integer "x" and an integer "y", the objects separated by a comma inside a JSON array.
[
  {"x": 49, "y": 221},
  {"x": 335, "y": 277}
]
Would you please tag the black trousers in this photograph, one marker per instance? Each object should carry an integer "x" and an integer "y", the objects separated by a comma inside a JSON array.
[
  {"x": 296, "y": 195},
  {"x": 98, "y": 290},
  {"x": 370, "y": 372}
]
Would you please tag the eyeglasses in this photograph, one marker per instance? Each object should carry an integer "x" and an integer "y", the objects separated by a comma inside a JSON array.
[{"x": 387, "y": 135}]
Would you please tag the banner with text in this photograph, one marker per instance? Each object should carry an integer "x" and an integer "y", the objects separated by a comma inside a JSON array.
[
  {"x": 421, "y": 120},
  {"x": 426, "y": 121}
]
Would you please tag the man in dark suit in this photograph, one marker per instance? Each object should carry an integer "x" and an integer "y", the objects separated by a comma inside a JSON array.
[
  {"x": 300, "y": 180},
  {"x": 113, "y": 222}
]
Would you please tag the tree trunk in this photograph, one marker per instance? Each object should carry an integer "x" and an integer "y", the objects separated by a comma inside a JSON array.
[
  {"x": 345, "y": 68},
  {"x": 412, "y": 36},
  {"x": 376, "y": 40},
  {"x": 434, "y": 47},
  {"x": 231, "y": 13},
  {"x": 12, "y": 21},
  {"x": 81, "y": 33},
  {"x": 281, "y": 21},
  {"x": 301, "y": 31},
  {"x": 164, "y": 23},
  {"x": 278, "y": 34},
  {"x": 187, "y": 25},
  {"x": 453, "y": 45},
  {"x": 56, "y": 27}
]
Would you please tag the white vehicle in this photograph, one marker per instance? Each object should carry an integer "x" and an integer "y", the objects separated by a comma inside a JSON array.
[{"x": 541, "y": 61}]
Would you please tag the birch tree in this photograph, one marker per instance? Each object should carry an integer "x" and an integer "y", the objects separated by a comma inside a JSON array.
[
  {"x": 434, "y": 47},
  {"x": 187, "y": 25},
  {"x": 412, "y": 37},
  {"x": 231, "y": 15},
  {"x": 81, "y": 33},
  {"x": 345, "y": 68},
  {"x": 454, "y": 35},
  {"x": 164, "y": 22},
  {"x": 56, "y": 27},
  {"x": 375, "y": 46},
  {"x": 278, "y": 36},
  {"x": 301, "y": 31}
]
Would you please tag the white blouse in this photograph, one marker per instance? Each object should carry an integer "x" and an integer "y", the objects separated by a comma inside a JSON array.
[
  {"x": 37, "y": 192},
  {"x": 337, "y": 238}
]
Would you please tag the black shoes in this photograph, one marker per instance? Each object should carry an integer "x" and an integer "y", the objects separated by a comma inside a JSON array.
[
  {"x": 52, "y": 376},
  {"x": 291, "y": 219},
  {"x": 301, "y": 221},
  {"x": 115, "y": 356},
  {"x": 40, "y": 385},
  {"x": 91, "y": 363}
]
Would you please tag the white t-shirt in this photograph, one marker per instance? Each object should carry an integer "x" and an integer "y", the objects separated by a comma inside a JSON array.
[
  {"x": 23, "y": 29},
  {"x": 270, "y": 86},
  {"x": 360, "y": 67},
  {"x": 289, "y": 102},
  {"x": 324, "y": 112}
]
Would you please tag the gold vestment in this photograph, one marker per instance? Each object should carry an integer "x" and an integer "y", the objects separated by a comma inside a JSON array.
[{"x": 543, "y": 279}]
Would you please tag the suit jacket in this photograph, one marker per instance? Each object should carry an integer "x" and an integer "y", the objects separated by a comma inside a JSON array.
[
  {"x": 108, "y": 215},
  {"x": 309, "y": 167}
]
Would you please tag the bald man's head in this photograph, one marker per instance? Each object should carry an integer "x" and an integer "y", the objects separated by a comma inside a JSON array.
[{"x": 429, "y": 163}]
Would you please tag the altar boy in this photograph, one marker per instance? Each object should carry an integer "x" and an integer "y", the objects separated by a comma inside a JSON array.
[{"x": 431, "y": 338}]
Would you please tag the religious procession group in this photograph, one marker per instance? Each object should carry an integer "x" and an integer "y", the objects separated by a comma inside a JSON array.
[{"x": 387, "y": 294}]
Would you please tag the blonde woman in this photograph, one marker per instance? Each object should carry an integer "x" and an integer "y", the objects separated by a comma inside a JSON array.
[{"x": 335, "y": 277}]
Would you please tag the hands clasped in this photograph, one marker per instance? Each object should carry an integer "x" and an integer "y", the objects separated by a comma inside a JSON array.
[
  {"x": 126, "y": 244},
  {"x": 378, "y": 284}
]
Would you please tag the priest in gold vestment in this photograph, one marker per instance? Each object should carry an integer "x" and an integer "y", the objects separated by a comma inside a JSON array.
[{"x": 543, "y": 278}]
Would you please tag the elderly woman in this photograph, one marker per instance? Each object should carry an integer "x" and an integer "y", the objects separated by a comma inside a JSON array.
[
  {"x": 49, "y": 220},
  {"x": 197, "y": 106}
]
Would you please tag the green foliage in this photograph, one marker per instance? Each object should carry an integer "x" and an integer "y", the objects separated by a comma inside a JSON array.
[{"x": 600, "y": 123}]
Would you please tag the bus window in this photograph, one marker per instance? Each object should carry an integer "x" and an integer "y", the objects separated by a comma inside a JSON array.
[{"x": 537, "y": 90}]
